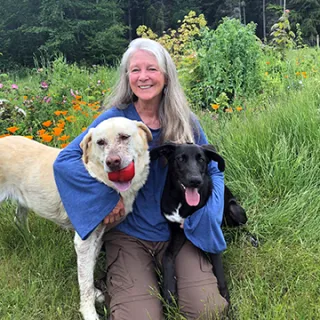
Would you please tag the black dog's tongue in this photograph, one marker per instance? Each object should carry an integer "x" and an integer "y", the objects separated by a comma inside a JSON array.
[{"x": 192, "y": 196}]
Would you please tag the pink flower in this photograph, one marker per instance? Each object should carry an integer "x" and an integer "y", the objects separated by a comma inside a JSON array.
[
  {"x": 72, "y": 93},
  {"x": 1, "y": 85},
  {"x": 47, "y": 99},
  {"x": 44, "y": 85},
  {"x": 14, "y": 86}
]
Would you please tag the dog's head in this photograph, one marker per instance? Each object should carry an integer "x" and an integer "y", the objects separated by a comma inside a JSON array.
[
  {"x": 115, "y": 144},
  {"x": 188, "y": 164}
]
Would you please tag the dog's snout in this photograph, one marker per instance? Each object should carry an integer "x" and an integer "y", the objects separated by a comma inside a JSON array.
[
  {"x": 195, "y": 182},
  {"x": 113, "y": 162}
]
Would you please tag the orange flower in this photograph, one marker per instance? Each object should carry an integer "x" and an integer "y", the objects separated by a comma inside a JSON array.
[
  {"x": 29, "y": 137},
  {"x": 268, "y": 62},
  {"x": 215, "y": 106},
  {"x": 95, "y": 116},
  {"x": 78, "y": 97},
  {"x": 82, "y": 102},
  {"x": 25, "y": 97},
  {"x": 71, "y": 118},
  {"x": 84, "y": 129},
  {"x": 41, "y": 132},
  {"x": 61, "y": 125},
  {"x": 47, "y": 123},
  {"x": 58, "y": 113},
  {"x": 57, "y": 131},
  {"x": 12, "y": 129},
  {"x": 4, "y": 135},
  {"x": 63, "y": 145},
  {"x": 46, "y": 137},
  {"x": 239, "y": 108},
  {"x": 64, "y": 138},
  {"x": 77, "y": 107}
]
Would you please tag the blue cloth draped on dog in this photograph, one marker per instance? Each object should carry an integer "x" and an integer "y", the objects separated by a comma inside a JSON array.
[{"x": 88, "y": 201}]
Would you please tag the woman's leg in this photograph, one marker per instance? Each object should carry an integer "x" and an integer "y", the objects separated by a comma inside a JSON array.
[
  {"x": 198, "y": 293},
  {"x": 131, "y": 276}
]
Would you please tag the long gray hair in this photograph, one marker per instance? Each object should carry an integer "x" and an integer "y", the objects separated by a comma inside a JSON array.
[{"x": 176, "y": 119}]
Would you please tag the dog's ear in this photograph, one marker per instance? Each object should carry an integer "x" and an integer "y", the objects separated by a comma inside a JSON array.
[
  {"x": 85, "y": 145},
  {"x": 145, "y": 129},
  {"x": 212, "y": 154},
  {"x": 164, "y": 150}
]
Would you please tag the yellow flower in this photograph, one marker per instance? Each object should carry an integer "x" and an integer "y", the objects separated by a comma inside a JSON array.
[
  {"x": 239, "y": 108},
  {"x": 228, "y": 110},
  {"x": 25, "y": 97},
  {"x": 29, "y": 137},
  {"x": 84, "y": 129},
  {"x": 266, "y": 73},
  {"x": 12, "y": 129},
  {"x": 215, "y": 106},
  {"x": 47, "y": 123}
]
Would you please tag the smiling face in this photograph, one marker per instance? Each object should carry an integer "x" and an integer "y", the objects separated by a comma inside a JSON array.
[{"x": 145, "y": 77}]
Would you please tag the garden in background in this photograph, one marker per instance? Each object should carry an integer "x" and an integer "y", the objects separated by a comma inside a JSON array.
[{"x": 259, "y": 104}]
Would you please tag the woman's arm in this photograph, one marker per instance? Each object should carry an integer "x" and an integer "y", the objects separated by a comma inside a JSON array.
[
  {"x": 86, "y": 201},
  {"x": 203, "y": 228}
]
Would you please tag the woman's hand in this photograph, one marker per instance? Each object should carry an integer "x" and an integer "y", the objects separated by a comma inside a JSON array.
[{"x": 116, "y": 214}]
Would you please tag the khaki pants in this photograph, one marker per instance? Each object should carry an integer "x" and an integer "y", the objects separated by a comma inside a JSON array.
[{"x": 132, "y": 281}]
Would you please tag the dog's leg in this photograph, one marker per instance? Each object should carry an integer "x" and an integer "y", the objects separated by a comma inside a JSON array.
[
  {"x": 216, "y": 260},
  {"x": 21, "y": 217},
  {"x": 169, "y": 267},
  {"x": 87, "y": 252}
]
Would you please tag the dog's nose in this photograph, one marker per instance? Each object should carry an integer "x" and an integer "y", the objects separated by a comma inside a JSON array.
[
  {"x": 113, "y": 162},
  {"x": 195, "y": 182}
]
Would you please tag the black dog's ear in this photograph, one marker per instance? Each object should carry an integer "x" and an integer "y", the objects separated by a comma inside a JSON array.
[
  {"x": 164, "y": 150},
  {"x": 212, "y": 154}
]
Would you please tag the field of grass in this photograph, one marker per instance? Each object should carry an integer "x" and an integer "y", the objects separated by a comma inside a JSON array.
[{"x": 272, "y": 164}]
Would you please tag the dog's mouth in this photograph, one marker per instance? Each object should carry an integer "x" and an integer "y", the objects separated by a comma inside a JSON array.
[
  {"x": 192, "y": 196},
  {"x": 121, "y": 179}
]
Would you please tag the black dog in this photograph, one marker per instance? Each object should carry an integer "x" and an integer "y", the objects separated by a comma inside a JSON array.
[{"x": 188, "y": 187}]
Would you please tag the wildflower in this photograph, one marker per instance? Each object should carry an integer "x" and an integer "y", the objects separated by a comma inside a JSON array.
[
  {"x": 12, "y": 129},
  {"x": 72, "y": 93},
  {"x": 44, "y": 85},
  {"x": 46, "y": 137},
  {"x": 57, "y": 131},
  {"x": 4, "y": 135},
  {"x": 47, "y": 99},
  {"x": 14, "y": 86},
  {"x": 304, "y": 74},
  {"x": 1, "y": 85},
  {"x": 63, "y": 145},
  {"x": 41, "y": 132},
  {"x": 84, "y": 129},
  {"x": 239, "y": 108},
  {"x": 47, "y": 123},
  {"x": 25, "y": 98},
  {"x": 95, "y": 116},
  {"x": 77, "y": 107},
  {"x": 61, "y": 125},
  {"x": 71, "y": 118},
  {"x": 58, "y": 113},
  {"x": 215, "y": 106},
  {"x": 266, "y": 73},
  {"x": 29, "y": 137},
  {"x": 64, "y": 138},
  {"x": 228, "y": 110},
  {"x": 268, "y": 62},
  {"x": 298, "y": 73}
]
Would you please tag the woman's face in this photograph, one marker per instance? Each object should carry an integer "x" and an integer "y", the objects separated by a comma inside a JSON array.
[{"x": 145, "y": 78}]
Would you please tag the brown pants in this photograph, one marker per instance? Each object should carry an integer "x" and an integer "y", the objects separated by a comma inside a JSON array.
[{"x": 133, "y": 284}]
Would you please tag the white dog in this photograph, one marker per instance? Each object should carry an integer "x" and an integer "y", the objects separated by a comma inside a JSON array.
[{"x": 26, "y": 175}]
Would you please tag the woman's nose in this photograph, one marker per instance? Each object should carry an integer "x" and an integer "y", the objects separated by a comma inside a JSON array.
[{"x": 143, "y": 75}]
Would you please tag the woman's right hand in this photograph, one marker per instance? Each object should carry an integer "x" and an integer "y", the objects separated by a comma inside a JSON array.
[{"x": 116, "y": 214}]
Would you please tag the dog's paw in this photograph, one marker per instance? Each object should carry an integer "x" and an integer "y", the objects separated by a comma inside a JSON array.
[{"x": 99, "y": 296}]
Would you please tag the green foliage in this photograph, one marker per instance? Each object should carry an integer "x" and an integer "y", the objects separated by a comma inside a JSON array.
[
  {"x": 282, "y": 38},
  {"x": 299, "y": 39},
  {"x": 228, "y": 62}
]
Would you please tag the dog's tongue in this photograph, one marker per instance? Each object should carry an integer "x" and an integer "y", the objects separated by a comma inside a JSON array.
[
  {"x": 192, "y": 196},
  {"x": 122, "y": 186}
]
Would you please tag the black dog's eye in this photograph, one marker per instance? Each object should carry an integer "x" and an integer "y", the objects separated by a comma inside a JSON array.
[
  {"x": 124, "y": 137},
  {"x": 180, "y": 158},
  {"x": 101, "y": 142},
  {"x": 201, "y": 160}
]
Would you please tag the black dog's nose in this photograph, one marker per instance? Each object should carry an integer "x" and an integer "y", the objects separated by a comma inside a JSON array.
[
  {"x": 195, "y": 182},
  {"x": 113, "y": 162}
]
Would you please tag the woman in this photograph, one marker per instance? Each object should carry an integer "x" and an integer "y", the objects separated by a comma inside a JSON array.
[{"x": 148, "y": 90}]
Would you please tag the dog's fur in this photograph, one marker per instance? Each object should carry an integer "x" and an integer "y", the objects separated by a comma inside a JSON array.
[
  {"x": 187, "y": 170},
  {"x": 26, "y": 175}
]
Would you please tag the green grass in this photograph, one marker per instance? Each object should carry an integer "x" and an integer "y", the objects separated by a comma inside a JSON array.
[{"x": 272, "y": 164}]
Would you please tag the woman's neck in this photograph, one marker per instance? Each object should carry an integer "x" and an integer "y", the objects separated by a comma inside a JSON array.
[{"x": 149, "y": 114}]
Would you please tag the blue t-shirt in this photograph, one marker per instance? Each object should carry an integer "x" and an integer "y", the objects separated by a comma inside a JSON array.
[{"x": 88, "y": 202}]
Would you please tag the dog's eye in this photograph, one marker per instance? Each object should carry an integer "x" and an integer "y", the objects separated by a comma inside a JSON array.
[
  {"x": 180, "y": 158},
  {"x": 124, "y": 137},
  {"x": 101, "y": 142},
  {"x": 201, "y": 160}
]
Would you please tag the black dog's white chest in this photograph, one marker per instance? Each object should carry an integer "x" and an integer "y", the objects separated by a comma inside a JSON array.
[{"x": 174, "y": 215}]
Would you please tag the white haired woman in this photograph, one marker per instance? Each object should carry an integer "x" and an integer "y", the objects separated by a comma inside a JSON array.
[{"x": 148, "y": 90}]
